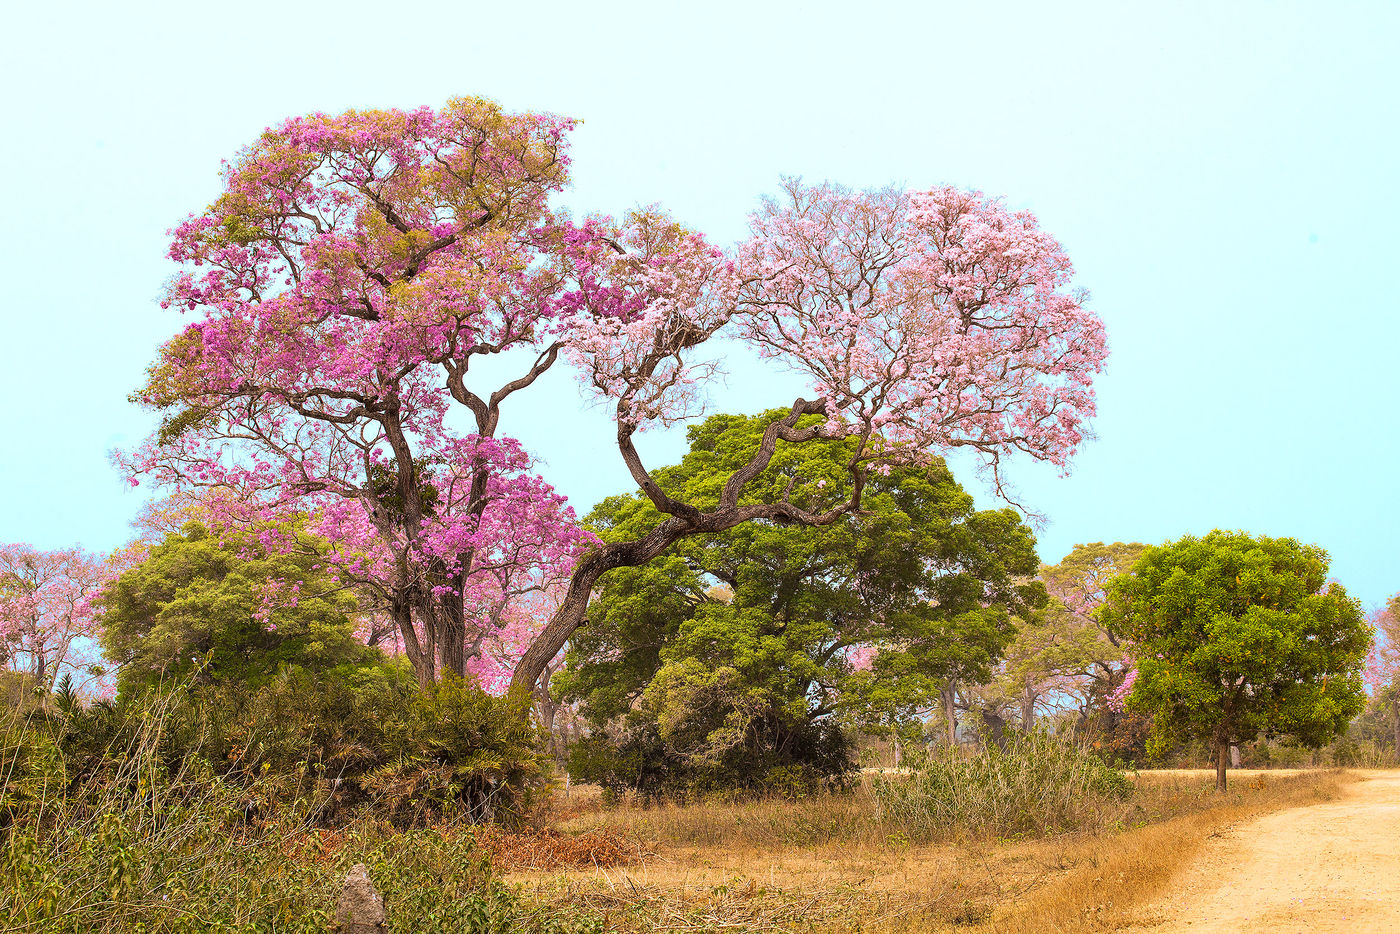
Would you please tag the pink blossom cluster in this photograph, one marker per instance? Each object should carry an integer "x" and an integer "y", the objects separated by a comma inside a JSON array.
[
  {"x": 48, "y": 623},
  {"x": 933, "y": 319},
  {"x": 1118, "y": 697},
  {"x": 861, "y": 657},
  {"x": 669, "y": 290},
  {"x": 1382, "y": 667}
]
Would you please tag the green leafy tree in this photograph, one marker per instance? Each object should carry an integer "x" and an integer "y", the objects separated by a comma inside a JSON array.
[
  {"x": 868, "y": 618},
  {"x": 227, "y": 607},
  {"x": 1044, "y": 665},
  {"x": 1063, "y": 654},
  {"x": 1085, "y": 657},
  {"x": 1235, "y": 636}
]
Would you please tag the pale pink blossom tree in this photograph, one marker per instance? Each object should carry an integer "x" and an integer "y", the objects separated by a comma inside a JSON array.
[
  {"x": 47, "y": 621},
  {"x": 1095, "y": 665},
  {"x": 924, "y": 321},
  {"x": 1382, "y": 671}
]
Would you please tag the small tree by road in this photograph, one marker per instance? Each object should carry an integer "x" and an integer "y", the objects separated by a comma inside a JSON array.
[{"x": 1237, "y": 635}]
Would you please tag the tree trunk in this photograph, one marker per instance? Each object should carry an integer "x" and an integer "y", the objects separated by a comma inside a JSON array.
[
  {"x": 452, "y": 636},
  {"x": 950, "y": 711},
  {"x": 1222, "y": 761},
  {"x": 1028, "y": 699},
  {"x": 573, "y": 609},
  {"x": 421, "y": 657},
  {"x": 994, "y": 727}
]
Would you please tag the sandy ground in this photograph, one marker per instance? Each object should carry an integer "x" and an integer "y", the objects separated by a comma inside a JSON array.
[{"x": 1329, "y": 867}]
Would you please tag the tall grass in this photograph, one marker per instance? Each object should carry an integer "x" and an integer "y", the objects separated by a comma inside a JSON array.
[
  {"x": 1036, "y": 785},
  {"x": 146, "y": 844}
]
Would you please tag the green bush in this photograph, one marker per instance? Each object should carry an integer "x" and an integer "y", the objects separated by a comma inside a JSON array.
[
  {"x": 203, "y": 601},
  {"x": 1037, "y": 784},
  {"x": 636, "y": 758},
  {"x": 331, "y": 745},
  {"x": 370, "y": 738},
  {"x": 138, "y": 847},
  {"x": 699, "y": 731}
]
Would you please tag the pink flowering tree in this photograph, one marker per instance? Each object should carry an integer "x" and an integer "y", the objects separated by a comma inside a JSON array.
[
  {"x": 924, "y": 321},
  {"x": 1382, "y": 671},
  {"x": 343, "y": 285},
  {"x": 1086, "y": 660},
  {"x": 47, "y": 622},
  {"x": 356, "y": 267}
]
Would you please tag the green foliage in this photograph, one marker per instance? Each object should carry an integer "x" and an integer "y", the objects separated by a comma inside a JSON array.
[
  {"x": 1236, "y": 636},
  {"x": 144, "y": 847},
  {"x": 742, "y": 640},
  {"x": 1037, "y": 784},
  {"x": 198, "y": 602},
  {"x": 1066, "y": 646},
  {"x": 699, "y": 731},
  {"x": 20, "y": 692},
  {"x": 329, "y": 745}
]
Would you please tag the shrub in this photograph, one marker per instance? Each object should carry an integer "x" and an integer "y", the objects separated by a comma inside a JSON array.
[
  {"x": 220, "y": 605},
  {"x": 700, "y": 731},
  {"x": 331, "y": 745},
  {"x": 1036, "y": 785},
  {"x": 136, "y": 847},
  {"x": 635, "y": 758}
]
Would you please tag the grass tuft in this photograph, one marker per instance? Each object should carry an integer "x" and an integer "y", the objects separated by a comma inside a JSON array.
[{"x": 1035, "y": 786}]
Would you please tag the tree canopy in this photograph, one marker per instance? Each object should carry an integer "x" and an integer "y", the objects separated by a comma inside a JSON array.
[
  {"x": 227, "y": 608},
  {"x": 1235, "y": 635},
  {"x": 867, "y": 617},
  {"x": 47, "y": 622}
]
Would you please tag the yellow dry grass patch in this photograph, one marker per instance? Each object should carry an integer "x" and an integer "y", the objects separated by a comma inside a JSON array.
[{"x": 824, "y": 865}]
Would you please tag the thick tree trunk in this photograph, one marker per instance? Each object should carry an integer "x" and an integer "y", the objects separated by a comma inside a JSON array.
[
  {"x": 1222, "y": 761},
  {"x": 570, "y": 615},
  {"x": 452, "y": 636},
  {"x": 1028, "y": 699},
  {"x": 993, "y": 728},
  {"x": 423, "y": 657},
  {"x": 401, "y": 607}
]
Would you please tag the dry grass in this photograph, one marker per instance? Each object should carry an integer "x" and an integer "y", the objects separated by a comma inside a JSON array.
[
  {"x": 550, "y": 849},
  {"x": 822, "y": 864},
  {"x": 537, "y": 849}
]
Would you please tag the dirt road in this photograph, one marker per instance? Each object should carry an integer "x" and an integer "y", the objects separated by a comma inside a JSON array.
[{"x": 1331, "y": 867}]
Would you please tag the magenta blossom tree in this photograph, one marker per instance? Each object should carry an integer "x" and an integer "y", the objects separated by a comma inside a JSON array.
[
  {"x": 357, "y": 266},
  {"x": 345, "y": 282},
  {"x": 47, "y": 622}
]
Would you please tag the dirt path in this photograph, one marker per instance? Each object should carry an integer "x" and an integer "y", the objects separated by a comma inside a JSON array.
[{"x": 1329, "y": 867}]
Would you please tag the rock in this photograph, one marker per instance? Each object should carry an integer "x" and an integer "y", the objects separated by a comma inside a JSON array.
[{"x": 360, "y": 909}]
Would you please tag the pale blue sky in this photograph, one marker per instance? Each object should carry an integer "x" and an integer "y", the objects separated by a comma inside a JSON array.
[{"x": 1223, "y": 175}]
